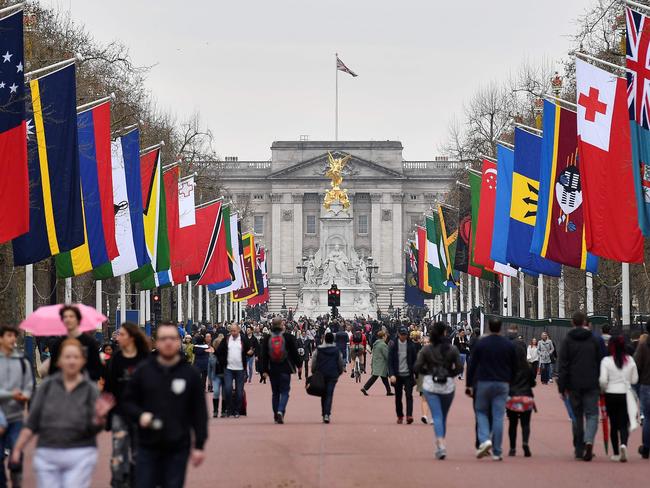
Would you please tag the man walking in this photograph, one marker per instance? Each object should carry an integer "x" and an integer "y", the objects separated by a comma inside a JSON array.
[
  {"x": 16, "y": 387},
  {"x": 401, "y": 361},
  {"x": 642, "y": 360},
  {"x": 166, "y": 398},
  {"x": 233, "y": 352},
  {"x": 579, "y": 369},
  {"x": 491, "y": 369},
  {"x": 278, "y": 359}
]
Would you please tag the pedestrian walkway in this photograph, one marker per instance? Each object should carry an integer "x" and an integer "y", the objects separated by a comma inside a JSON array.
[{"x": 365, "y": 447}]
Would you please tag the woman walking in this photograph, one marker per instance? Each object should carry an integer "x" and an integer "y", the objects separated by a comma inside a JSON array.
[
  {"x": 532, "y": 355},
  {"x": 66, "y": 414},
  {"x": 327, "y": 360},
  {"x": 379, "y": 364},
  {"x": 617, "y": 373},
  {"x": 520, "y": 404},
  {"x": 134, "y": 348},
  {"x": 217, "y": 378},
  {"x": 211, "y": 360},
  {"x": 439, "y": 364},
  {"x": 545, "y": 350}
]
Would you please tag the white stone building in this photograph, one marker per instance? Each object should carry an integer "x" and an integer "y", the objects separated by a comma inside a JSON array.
[{"x": 283, "y": 199}]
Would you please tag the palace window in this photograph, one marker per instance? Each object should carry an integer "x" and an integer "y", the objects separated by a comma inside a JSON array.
[
  {"x": 258, "y": 196},
  {"x": 310, "y": 225},
  {"x": 258, "y": 225},
  {"x": 362, "y": 224},
  {"x": 413, "y": 196}
]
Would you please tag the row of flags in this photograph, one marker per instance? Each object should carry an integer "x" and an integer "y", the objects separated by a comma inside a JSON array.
[
  {"x": 577, "y": 192},
  {"x": 105, "y": 206}
]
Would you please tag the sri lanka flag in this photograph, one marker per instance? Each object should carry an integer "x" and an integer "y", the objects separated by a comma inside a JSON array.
[
  {"x": 610, "y": 207},
  {"x": 14, "y": 184},
  {"x": 99, "y": 247},
  {"x": 55, "y": 214},
  {"x": 262, "y": 280},
  {"x": 249, "y": 289},
  {"x": 559, "y": 233}
]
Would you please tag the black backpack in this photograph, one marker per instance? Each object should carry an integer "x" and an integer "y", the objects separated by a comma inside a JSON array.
[{"x": 357, "y": 337}]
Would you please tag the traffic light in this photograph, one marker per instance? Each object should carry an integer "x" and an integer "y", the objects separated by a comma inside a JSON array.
[
  {"x": 157, "y": 307},
  {"x": 334, "y": 297}
]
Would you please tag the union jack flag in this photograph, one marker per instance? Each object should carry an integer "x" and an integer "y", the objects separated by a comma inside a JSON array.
[
  {"x": 340, "y": 65},
  {"x": 638, "y": 67}
]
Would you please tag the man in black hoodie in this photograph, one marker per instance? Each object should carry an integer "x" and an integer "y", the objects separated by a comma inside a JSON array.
[
  {"x": 579, "y": 368},
  {"x": 165, "y": 397},
  {"x": 278, "y": 359}
]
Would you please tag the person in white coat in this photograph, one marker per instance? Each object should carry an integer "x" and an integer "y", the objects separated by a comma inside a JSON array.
[{"x": 618, "y": 373}]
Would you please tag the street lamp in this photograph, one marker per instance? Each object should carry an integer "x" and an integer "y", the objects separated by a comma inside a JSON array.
[
  {"x": 284, "y": 297},
  {"x": 303, "y": 267},
  {"x": 390, "y": 304},
  {"x": 370, "y": 268}
]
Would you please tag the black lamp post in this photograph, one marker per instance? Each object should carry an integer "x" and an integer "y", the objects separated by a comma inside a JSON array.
[
  {"x": 390, "y": 304},
  {"x": 284, "y": 297},
  {"x": 370, "y": 268}
]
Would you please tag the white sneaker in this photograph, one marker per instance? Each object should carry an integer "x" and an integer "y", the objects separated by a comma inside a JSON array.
[
  {"x": 497, "y": 458},
  {"x": 615, "y": 458},
  {"x": 484, "y": 449},
  {"x": 623, "y": 451}
]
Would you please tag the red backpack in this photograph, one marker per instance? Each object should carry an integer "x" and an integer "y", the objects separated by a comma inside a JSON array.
[{"x": 277, "y": 349}]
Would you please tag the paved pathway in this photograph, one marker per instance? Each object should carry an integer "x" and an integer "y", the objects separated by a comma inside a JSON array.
[{"x": 365, "y": 447}]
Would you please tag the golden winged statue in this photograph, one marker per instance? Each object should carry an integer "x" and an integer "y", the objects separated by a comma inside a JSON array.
[{"x": 335, "y": 172}]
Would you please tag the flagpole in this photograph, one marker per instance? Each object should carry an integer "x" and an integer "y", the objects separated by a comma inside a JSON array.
[{"x": 336, "y": 109}]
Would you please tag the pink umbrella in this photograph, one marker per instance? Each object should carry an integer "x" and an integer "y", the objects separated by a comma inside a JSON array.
[{"x": 45, "y": 321}]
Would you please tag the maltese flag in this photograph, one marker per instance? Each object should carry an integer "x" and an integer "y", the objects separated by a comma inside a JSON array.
[{"x": 610, "y": 209}]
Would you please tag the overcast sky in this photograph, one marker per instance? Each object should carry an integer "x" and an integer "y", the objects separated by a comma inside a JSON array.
[{"x": 264, "y": 70}]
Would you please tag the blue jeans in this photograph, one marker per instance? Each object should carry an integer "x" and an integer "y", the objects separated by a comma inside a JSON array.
[
  {"x": 280, "y": 386},
  {"x": 644, "y": 400},
  {"x": 217, "y": 385},
  {"x": 491, "y": 397},
  {"x": 7, "y": 441},
  {"x": 250, "y": 363},
  {"x": 326, "y": 399},
  {"x": 545, "y": 372},
  {"x": 228, "y": 376},
  {"x": 161, "y": 468},
  {"x": 463, "y": 360},
  {"x": 439, "y": 405},
  {"x": 584, "y": 404}
]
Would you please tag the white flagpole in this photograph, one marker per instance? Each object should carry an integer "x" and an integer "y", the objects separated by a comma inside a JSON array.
[
  {"x": 590, "y": 294},
  {"x": 179, "y": 303},
  {"x": 336, "y": 110},
  {"x": 29, "y": 289},
  {"x": 522, "y": 296},
  {"x": 98, "y": 296},
  {"x": 625, "y": 295},
  {"x": 68, "y": 291},
  {"x": 540, "y": 296}
]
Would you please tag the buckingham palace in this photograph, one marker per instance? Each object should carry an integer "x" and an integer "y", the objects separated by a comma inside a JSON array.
[{"x": 283, "y": 202}]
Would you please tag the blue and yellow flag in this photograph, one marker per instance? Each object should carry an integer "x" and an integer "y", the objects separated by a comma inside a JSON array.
[
  {"x": 523, "y": 206},
  {"x": 55, "y": 214}
]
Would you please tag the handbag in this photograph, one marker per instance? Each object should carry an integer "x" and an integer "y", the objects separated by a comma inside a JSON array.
[
  {"x": 520, "y": 403},
  {"x": 315, "y": 384}
]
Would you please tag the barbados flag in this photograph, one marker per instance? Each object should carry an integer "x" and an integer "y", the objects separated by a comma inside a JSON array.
[
  {"x": 524, "y": 206},
  {"x": 127, "y": 201},
  {"x": 55, "y": 212},
  {"x": 157, "y": 271},
  {"x": 94, "y": 149}
]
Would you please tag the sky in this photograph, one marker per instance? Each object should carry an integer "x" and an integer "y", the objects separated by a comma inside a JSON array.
[{"x": 264, "y": 70}]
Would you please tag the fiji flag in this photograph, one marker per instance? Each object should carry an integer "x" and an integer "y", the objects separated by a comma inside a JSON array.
[
  {"x": 14, "y": 184},
  {"x": 638, "y": 100},
  {"x": 99, "y": 247},
  {"x": 523, "y": 206},
  {"x": 55, "y": 214}
]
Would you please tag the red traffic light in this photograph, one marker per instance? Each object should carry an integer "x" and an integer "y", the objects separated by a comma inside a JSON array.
[{"x": 156, "y": 298}]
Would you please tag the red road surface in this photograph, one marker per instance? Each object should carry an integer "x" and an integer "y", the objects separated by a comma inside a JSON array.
[{"x": 363, "y": 446}]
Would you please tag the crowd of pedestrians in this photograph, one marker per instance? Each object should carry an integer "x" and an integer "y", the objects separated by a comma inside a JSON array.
[{"x": 136, "y": 388}]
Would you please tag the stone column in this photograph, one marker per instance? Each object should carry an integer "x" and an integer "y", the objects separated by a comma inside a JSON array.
[
  {"x": 298, "y": 235},
  {"x": 375, "y": 227},
  {"x": 276, "y": 234},
  {"x": 398, "y": 238}
]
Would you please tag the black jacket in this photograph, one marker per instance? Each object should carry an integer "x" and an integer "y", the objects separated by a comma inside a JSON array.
[
  {"x": 393, "y": 360},
  {"x": 175, "y": 396},
  {"x": 328, "y": 361},
  {"x": 524, "y": 379},
  {"x": 222, "y": 350},
  {"x": 436, "y": 361},
  {"x": 579, "y": 361},
  {"x": 290, "y": 362},
  {"x": 91, "y": 351}
]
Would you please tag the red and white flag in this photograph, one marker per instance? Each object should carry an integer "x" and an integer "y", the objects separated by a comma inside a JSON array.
[
  {"x": 604, "y": 147},
  {"x": 340, "y": 65},
  {"x": 485, "y": 222}
]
